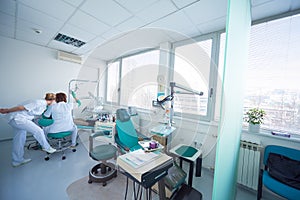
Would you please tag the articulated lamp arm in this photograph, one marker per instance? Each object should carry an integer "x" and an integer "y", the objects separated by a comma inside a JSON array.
[{"x": 170, "y": 97}]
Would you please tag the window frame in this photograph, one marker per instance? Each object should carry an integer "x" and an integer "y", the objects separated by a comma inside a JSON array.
[
  {"x": 119, "y": 86},
  {"x": 245, "y": 107},
  {"x": 120, "y": 59},
  {"x": 215, "y": 51},
  {"x": 213, "y": 74},
  {"x": 258, "y": 22}
]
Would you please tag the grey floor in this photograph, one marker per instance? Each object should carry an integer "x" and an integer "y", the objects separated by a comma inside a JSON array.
[{"x": 49, "y": 180}]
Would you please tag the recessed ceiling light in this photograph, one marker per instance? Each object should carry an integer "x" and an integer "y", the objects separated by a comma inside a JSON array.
[{"x": 69, "y": 40}]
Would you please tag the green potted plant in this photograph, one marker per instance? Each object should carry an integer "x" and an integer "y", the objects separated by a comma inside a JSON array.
[{"x": 255, "y": 117}]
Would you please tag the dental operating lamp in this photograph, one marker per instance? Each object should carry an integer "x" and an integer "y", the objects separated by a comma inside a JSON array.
[{"x": 183, "y": 90}]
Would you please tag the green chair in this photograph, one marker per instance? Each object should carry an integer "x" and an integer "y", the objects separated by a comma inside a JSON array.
[
  {"x": 105, "y": 170},
  {"x": 126, "y": 136},
  {"x": 60, "y": 141}
]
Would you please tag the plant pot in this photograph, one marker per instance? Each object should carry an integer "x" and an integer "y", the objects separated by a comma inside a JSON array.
[{"x": 254, "y": 128}]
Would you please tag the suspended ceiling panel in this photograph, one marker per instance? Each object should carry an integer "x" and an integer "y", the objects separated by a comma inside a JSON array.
[
  {"x": 103, "y": 23},
  {"x": 109, "y": 12},
  {"x": 270, "y": 8},
  {"x": 131, "y": 42},
  {"x": 135, "y": 6},
  {"x": 206, "y": 11},
  {"x": 156, "y": 11},
  {"x": 183, "y": 26},
  {"x": 88, "y": 23},
  {"x": 60, "y": 11}
]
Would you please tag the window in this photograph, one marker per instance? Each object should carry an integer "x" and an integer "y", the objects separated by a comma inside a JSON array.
[
  {"x": 112, "y": 82},
  {"x": 192, "y": 69},
  {"x": 220, "y": 78},
  {"x": 138, "y": 80},
  {"x": 272, "y": 81}
]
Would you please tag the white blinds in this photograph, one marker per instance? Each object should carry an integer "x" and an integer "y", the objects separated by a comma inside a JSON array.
[{"x": 273, "y": 75}]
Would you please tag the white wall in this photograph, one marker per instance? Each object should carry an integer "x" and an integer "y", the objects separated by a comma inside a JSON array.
[
  {"x": 28, "y": 71},
  {"x": 93, "y": 69}
]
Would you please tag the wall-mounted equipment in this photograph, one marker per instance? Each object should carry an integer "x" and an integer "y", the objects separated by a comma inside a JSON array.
[{"x": 61, "y": 55}]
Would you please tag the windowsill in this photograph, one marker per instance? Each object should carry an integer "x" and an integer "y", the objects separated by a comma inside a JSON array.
[
  {"x": 267, "y": 133},
  {"x": 212, "y": 123}
]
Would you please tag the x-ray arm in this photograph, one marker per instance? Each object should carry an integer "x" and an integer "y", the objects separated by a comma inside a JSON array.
[
  {"x": 171, "y": 96},
  {"x": 187, "y": 90}
]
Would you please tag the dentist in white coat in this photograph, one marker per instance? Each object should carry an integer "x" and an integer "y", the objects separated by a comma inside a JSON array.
[
  {"x": 20, "y": 119},
  {"x": 61, "y": 113}
]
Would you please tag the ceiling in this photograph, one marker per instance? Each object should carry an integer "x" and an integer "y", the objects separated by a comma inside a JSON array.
[{"x": 113, "y": 27}]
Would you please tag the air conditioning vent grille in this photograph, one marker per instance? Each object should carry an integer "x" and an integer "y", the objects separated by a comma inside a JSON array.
[{"x": 69, "y": 40}]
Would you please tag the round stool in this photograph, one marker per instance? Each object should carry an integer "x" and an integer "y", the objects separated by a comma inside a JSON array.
[
  {"x": 59, "y": 142},
  {"x": 105, "y": 170}
]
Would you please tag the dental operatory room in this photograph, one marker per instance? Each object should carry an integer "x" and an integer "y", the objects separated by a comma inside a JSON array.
[{"x": 149, "y": 99}]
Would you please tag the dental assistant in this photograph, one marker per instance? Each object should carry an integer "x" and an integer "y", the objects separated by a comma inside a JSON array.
[
  {"x": 20, "y": 119},
  {"x": 61, "y": 113}
]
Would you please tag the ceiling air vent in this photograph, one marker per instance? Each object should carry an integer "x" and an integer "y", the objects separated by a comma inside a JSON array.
[{"x": 69, "y": 40}]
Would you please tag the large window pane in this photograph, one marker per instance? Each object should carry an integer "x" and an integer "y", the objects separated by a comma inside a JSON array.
[
  {"x": 139, "y": 79},
  {"x": 272, "y": 81},
  {"x": 113, "y": 82},
  {"x": 192, "y": 69},
  {"x": 273, "y": 73}
]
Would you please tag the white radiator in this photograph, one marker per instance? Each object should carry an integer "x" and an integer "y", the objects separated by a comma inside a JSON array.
[{"x": 249, "y": 162}]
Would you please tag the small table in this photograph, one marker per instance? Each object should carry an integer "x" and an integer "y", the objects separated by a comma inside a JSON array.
[
  {"x": 190, "y": 155},
  {"x": 163, "y": 134},
  {"x": 150, "y": 173}
]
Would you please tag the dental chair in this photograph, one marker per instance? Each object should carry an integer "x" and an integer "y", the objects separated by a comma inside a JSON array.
[
  {"x": 61, "y": 141},
  {"x": 281, "y": 173},
  {"x": 126, "y": 136},
  {"x": 105, "y": 170}
]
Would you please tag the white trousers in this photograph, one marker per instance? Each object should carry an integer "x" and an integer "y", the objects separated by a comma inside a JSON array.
[
  {"x": 74, "y": 135},
  {"x": 20, "y": 130},
  {"x": 74, "y": 131}
]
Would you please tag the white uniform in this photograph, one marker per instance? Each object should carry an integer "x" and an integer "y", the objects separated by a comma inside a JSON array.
[
  {"x": 21, "y": 121},
  {"x": 63, "y": 121}
]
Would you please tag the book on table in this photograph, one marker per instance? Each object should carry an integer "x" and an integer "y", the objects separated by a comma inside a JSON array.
[{"x": 139, "y": 157}]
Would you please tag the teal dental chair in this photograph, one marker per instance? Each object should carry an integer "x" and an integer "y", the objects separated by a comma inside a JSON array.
[
  {"x": 281, "y": 173},
  {"x": 60, "y": 141},
  {"x": 126, "y": 136}
]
